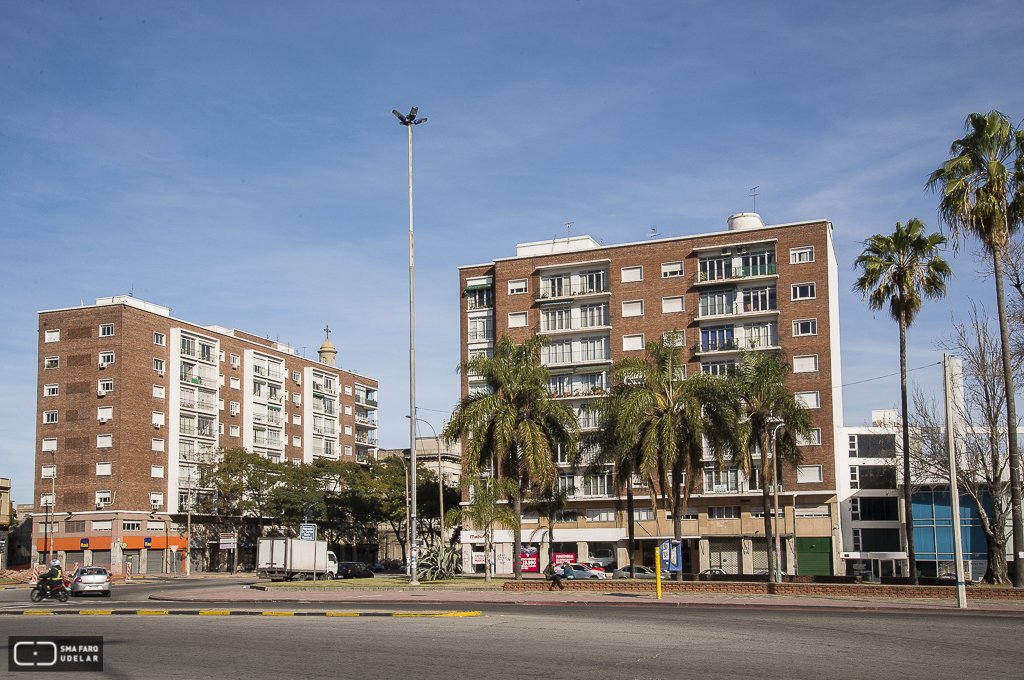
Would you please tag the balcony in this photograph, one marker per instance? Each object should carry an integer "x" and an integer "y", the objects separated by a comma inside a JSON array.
[
  {"x": 566, "y": 291},
  {"x": 361, "y": 399},
  {"x": 739, "y": 274},
  {"x": 736, "y": 344},
  {"x": 475, "y": 336},
  {"x": 324, "y": 428},
  {"x": 324, "y": 388},
  {"x": 473, "y": 303},
  {"x": 736, "y": 308},
  {"x": 366, "y": 422},
  {"x": 211, "y": 406},
  {"x": 194, "y": 379},
  {"x": 323, "y": 407},
  {"x": 579, "y": 393},
  {"x": 365, "y": 439}
]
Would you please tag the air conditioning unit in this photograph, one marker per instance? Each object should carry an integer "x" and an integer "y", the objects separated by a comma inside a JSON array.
[
  {"x": 101, "y": 393},
  {"x": 156, "y": 505},
  {"x": 726, "y": 251},
  {"x": 103, "y": 421},
  {"x": 160, "y": 373},
  {"x": 741, "y": 250},
  {"x": 99, "y": 506},
  {"x": 156, "y": 425},
  {"x": 103, "y": 364}
]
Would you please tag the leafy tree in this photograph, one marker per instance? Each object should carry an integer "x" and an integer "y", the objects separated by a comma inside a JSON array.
[
  {"x": 768, "y": 407},
  {"x": 897, "y": 271},
  {"x": 981, "y": 187},
  {"x": 487, "y": 507},
  {"x": 667, "y": 418},
  {"x": 516, "y": 426},
  {"x": 382, "y": 492},
  {"x": 548, "y": 503}
]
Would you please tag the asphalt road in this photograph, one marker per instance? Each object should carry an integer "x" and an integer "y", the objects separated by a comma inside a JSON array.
[
  {"x": 131, "y": 596},
  {"x": 552, "y": 642}
]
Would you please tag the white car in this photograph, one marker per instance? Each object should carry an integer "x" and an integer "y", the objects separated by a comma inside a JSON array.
[{"x": 582, "y": 571}]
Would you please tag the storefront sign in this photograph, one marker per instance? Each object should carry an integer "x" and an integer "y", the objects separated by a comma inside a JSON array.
[
  {"x": 528, "y": 557},
  {"x": 479, "y": 558},
  {"x": 84, "y": 544},
  {"x": 562, "y": 558}
]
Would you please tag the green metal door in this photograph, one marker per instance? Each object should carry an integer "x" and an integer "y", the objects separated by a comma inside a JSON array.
[{"x": 814, "y": 555}]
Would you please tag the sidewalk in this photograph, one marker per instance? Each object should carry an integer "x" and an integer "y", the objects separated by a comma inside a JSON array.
[{"x": 424, "y": 595}]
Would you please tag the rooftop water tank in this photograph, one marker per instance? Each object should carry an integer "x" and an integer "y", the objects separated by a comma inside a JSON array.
[{"x": 741, "y": 221}]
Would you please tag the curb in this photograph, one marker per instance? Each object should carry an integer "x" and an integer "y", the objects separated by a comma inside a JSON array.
[{"x": 230, "y": 612}]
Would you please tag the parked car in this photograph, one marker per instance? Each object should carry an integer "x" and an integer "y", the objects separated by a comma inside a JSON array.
[
  {"x": 377, "y": 567},
  {"x": 353, "y": 570},
  {"x": 90, "y": 580},
  {"x": 582, "y": 571},
  {"x": 641, "y": 572},
  {"x": 714, "y": 572},
  {"x": 594, "y": 566}
]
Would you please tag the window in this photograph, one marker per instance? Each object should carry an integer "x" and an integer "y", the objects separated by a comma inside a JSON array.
[
  {"x": 598, "y": 485},
  {"x": 220, "y": 404},
  {"x": 872, "y": 445},
  {"x": 296, "y": 441},
  {"x": 297, "y": 419},
  {"x": 557, "y": 352},
  {"x": 670, "y": 269},
  {"x": 517, "y": 286},
  {"x": 516, "y": 320},
  {"x": 674, "y": 338},
  {"x": 105, "y": 385},
  {"x": 874, "y": 509},
  {"x": 808, "y": 474},
  {"x": 602, "y": 514},
  {"x": 127, "y": 525},
  {"x": 158, "y": 365},
  {"x": 102, "y": 524},
  {"x": 813, "y": 440},
  {"x": 348, "y": 429},
  {"x": 594, "y": 349},
  {"x": 872, "y": 477},
  {"x": 154, "y": 526},
  {"x": 813, "y": 511},
  {"x": 632, "y": 343},
  {"x": 296, "y": 398},
  {"x": 51, "y": 336},
  {"x": 348, "y": 451},
  {"x": 632, "y": 274},
  {"x": 554, "y": 319},
  {"x": 641, "y": 514},
  {"x": 594, "y": 315},
  {"x": 724, "y": 512},
  {"x": 158, "y": 418},
  {"x": 49, "y": 471},
  {"x": 104, "y": 441},
  {"x": 633, "y": 308},
  {"x": 671, "y": 305},
  {"x": 220, "y": 356},
  {"x": 106, "y": 330},
  {"x": 220, "y": 428},
  {"x": 715, "y": 268},
  {"x": 566, "y": 483},
  {"x": 46, "y": 500},
  {"x": 296, "y": 377},
  {"x": 718, "y": 367},
  {"x": 808, "y": 399},
  {"x": 220, "y": 380},
  {"x": 481, "y": 298},
  {"x": 49, "y": 417},
  {"x": 348, "y": 389},
  {"x": 104, "y": 498},
  {"x": 51, "y": 362},
  {"x": 803, "y": 291},
  {"x": 234, "y": 431},
  {"x": 103, "y": 469},
  {"x": 159, "y": 392},
  {"x": 721, "y": 481},
  {"x": 805, "y": 327},
  {"x": 554, "y": 286},
  {"x": 594, "y": 281},
  {"x": 234, "y": 408},
  {"x": 104, "y": 413},
  {"x": 236, "y": 361},
  {"x": 482, "y": 328},
  {"x": 156, "y": 499},
  {"x": 759, "y": 264},
  {"x": 348, "y": 409},
  {"x": 156, "y": 445},
  {"x": 805, "y": 364},
  {"x": 51, "y": 390},
  {"x": 801, "y": 255},
  {"x": 759, "y": 299},
  {"x": 159, "y": 339},
  {"x": 49, "y": 445},
  {"x": 717, "y": 303},
  {"x": 757, "y": 511}
]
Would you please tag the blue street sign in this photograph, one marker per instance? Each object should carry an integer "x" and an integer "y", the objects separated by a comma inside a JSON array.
[{"x": 307, "y": 532}]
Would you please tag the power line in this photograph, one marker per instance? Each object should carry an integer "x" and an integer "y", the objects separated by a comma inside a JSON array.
[{"x": 858, "y": 382}]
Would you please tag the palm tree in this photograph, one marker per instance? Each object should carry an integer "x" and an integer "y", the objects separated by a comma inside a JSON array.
[
  {"x": 549, "y": 503},
  {"x": 982, "y": 194},
  {"x": 667, "y": 419},
  {"x": 516, "y": 427},
  {"x": 898, "y": 270},
  {"x": 486, "y": 508},
  {"x": 769, "y": 406}
]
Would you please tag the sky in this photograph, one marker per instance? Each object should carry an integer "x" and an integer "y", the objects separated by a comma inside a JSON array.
[{"x": 238, "y": 161}]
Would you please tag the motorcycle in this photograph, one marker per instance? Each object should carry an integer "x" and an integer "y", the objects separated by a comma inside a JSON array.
[{"x": 42, "y": 591}]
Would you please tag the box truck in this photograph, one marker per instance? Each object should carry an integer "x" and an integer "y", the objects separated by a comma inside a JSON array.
[{"x": 292, "y": 558}]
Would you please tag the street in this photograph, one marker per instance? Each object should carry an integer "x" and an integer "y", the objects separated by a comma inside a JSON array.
[{"x": 537, "y": 641}]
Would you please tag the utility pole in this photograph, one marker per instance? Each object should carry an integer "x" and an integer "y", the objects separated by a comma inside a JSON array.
[{"x": 952, "y": 377}]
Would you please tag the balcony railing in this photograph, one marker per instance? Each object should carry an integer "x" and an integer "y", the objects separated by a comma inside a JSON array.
[
  {"x": 324, "y": 428},
  {"x": 473, "y": 303},
  {"x": 363, "y": 438},
  {"x": 324, "y": 387},
  {"x": 208, "y": 405},
  {"x": 194, "y": 379},
  {"x": 367, "y": 402},
  {"x": 274, "y": 418},
  {"x": 481, "y": 335},
  {"x": 274, "y": 374},
  {"x": 565, "y": 291},
  {"x": 741, "y": 273},
  {"x": 363, "y": 420}
]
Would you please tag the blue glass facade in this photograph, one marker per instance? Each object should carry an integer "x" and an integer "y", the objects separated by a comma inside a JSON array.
[{"x": 933, "y": 527}]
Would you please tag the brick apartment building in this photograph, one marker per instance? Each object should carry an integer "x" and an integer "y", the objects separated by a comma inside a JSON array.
[
  {"x": 753, "y": 287},
  {"x": 131, "y": 401}
]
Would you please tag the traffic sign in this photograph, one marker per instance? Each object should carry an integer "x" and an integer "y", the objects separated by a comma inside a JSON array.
[{"x": 307, "y": 532}]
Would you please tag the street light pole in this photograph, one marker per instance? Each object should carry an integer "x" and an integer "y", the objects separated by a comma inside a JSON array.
[
  {"x": 440, "y": 479},
  {"x": 408, "y": 121},
  {"x": 52, "y": 508},
  {"x": 775, "y": 491}
]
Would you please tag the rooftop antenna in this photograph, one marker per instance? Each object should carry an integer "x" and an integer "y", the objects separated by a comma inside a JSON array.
[
  {"x": 568, "y": 229},
  {"x": 131, "y": 291},
  {"x": 753, "y": 194},
  {"x": 654, "y": 232}
]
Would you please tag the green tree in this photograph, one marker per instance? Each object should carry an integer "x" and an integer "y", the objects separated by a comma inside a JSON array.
[
  {"x": 667, "y": 418},
  {"x": 897, "y": 271},
  {"x": 981, "y": 187},
  {"x": 768, "y": 407},
  {"x": 487, "y": 508},
  {"x": 548, "y": 503},
  {"x": 382, "y": 492},
  {"x": 516, "y": 426}
]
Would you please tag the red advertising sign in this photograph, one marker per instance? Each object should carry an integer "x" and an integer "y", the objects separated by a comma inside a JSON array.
[
  {"x": 562, "y": 558},
  {"x": 528, "y": 557}
]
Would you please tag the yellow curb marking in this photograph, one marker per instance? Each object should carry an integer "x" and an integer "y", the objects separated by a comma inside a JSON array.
[
  {"x": 440, "y": 615},
  {"x": 38, "y": 613},
  {"x": 342, "y": 614},
  {"x": 95, "y": 611}
]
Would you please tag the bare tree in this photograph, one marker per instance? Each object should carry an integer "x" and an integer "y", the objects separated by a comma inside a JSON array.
[{"x": 982, "y": 457}]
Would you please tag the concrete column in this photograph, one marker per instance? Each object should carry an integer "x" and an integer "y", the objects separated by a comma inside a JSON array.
[
  {"x": 87, "y": 557},
  {"x": 704, "y": 560},
  {"x": 143, "y": 561},
  {"x": 582, "y": 551},
  {"x": 747, "y": 557}
]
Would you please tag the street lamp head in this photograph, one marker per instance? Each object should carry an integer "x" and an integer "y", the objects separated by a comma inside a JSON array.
[
  {"x": 418, "y": 121},
  {"x": 398, "y": 115},
  {"x": 413, "y": 111}
]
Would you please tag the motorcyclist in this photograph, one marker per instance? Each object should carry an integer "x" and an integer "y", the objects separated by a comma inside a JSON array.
[{"x": 53, "y": 578}]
